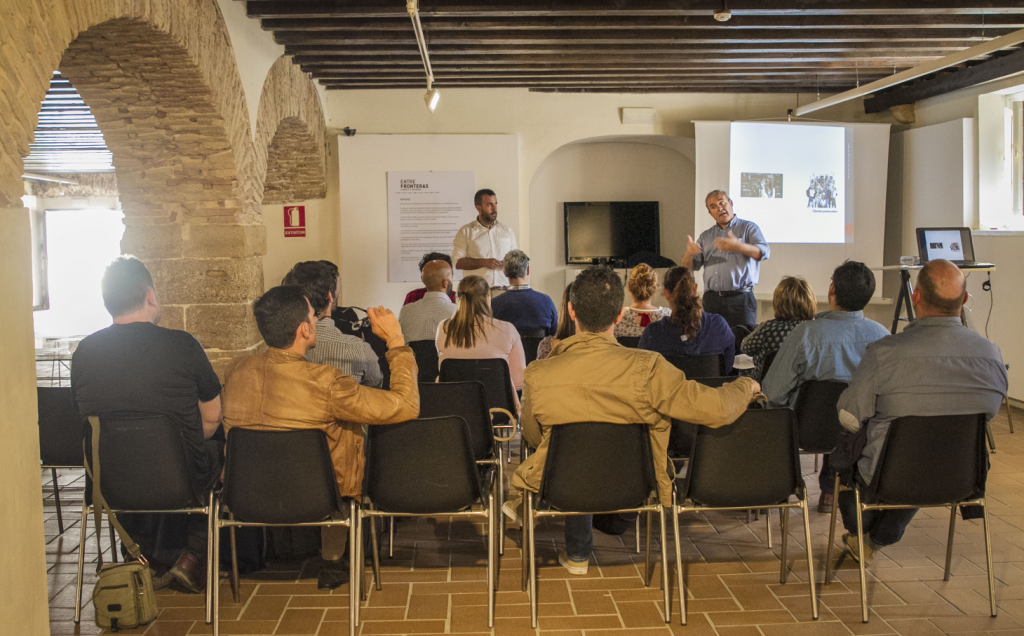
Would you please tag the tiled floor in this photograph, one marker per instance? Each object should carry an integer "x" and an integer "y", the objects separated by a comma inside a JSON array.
[{"x": 435, "y": 582}]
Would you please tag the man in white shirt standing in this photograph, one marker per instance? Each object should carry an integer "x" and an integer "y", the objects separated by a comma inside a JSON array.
[{"x": 480, "y": 246}]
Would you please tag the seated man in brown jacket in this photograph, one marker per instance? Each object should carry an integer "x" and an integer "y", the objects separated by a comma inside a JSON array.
[
  {"x": 280, "y": 389},
  {"x": 590, "y": 377}
]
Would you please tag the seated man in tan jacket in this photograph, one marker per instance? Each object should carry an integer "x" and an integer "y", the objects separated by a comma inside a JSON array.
[
  {"x": 590, "y": 377},
  {"x": 280, "y": 389}
]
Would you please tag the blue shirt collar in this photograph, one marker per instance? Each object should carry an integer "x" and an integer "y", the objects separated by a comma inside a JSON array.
[{"x": 839, "y": 314}]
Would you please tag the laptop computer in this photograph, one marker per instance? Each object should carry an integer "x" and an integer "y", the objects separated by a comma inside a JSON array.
[{"x": 951, "y": 243}]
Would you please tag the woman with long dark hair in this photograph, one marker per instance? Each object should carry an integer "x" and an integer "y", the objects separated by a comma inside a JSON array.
[
  {"x": 566, "y": 327},
  {"x": 689, "y": 331},
  {"x": 473, "y": 334}
]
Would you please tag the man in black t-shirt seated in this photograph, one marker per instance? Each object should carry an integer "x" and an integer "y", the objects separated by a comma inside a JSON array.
[{"x": 134, "y": 366}]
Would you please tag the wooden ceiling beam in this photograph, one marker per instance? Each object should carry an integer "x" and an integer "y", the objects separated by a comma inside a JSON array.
[
  {"x": 343, "y": 71},
  {"x": 440, "y": 80},
  {"x": 868, "y": 50}
]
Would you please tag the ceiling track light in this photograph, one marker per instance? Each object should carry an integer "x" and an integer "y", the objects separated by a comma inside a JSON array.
[
  {"x": 432, "y": 96},
  {"x": 724, "y": 14}
]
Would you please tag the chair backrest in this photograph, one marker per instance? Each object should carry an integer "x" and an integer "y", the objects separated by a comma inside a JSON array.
[
  {"x": 817, "y": 419},
  {"x": 680, "y": 440},
  {"x": 491, "y": 372},
  {"x": 426, "y": 359},
  {"x": 530, "y": 344},
  {"x": 539, "y": 332},
  {"x": 629, "y": 341},
  {"x": 280, "y": 476},
  {"x": 143, "y": 465},
  {"x": 931, "y": 460},
  {"x": 423, "y": 466},
  {"x": 706, "y": 366},
  {"x": 598, "y": 467},
  {"x": 467, "y": 400},
  {"x": 60, "y": 427},
  {"x": 752, "y": 462},
  {"x": 767, "y": 364}
]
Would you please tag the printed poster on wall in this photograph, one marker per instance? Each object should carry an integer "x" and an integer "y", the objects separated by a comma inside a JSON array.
[{"x": 425, "y": 211}]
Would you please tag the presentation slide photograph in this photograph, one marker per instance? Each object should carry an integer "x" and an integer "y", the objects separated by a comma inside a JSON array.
[
  {"x": 944, "y": 244},
  {"x": 810, "y": 161}
]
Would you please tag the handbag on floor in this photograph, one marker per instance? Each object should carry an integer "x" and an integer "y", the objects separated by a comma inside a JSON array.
[{"x": 123, "y": 596}]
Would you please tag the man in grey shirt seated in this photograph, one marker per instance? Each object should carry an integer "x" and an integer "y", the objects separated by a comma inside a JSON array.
[
  {"x": 349, "y": 354},
  {"x": 936, "y": 366},
  {"x": 419, "y": 320}
]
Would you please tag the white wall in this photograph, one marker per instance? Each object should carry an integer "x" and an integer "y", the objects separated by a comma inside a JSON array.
[
  {"x": 606, "y": 171},
  {"x": 363, "y": 164}
]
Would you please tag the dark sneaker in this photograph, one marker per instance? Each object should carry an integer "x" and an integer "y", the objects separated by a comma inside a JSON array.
[
  {"x": 189, "y": 572},
  {"x": 333, "y": 574},
  {"x": 825, "y": 502}
]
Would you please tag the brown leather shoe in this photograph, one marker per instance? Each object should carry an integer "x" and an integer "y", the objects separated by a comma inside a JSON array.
[
  {"x": 189, "y": 572},
  {"x": 825, "y": 502}
]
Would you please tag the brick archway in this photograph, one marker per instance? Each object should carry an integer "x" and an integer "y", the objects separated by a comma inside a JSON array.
[
  {"x": 290, "y": 140},
  {"x": 163, "y": 84}
]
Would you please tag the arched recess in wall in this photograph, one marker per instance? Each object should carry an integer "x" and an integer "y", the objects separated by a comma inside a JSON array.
[
  {"x": 162, "y": 81},
  {"x": 290, "y": 139},
  {"x": 616, "y": 168}
]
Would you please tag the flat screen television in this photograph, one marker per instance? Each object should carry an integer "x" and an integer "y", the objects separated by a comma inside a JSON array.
[{"x": 610, "y": 231}]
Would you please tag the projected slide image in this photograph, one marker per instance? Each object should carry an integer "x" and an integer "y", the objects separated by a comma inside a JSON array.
[
  {"x": 810, "y": 160},
  {"x": 822, "y": 193},
  {"x": 760, "y": 185}
]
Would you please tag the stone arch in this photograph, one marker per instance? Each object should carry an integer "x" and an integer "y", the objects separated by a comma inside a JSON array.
[
  {"x": 290, "y": 136},
  {"x": 163, "y": 84}
]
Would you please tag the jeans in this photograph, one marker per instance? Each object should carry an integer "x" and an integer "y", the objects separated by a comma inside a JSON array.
[
  {"x": 827, "y": 476},
  {"x": 883, "y": 527},
  {"x": 740, "y": 309},
  {"x": 579, "y": 536}
]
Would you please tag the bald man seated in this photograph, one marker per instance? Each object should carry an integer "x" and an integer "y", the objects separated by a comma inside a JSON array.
[
  {"x": 419, "y": 320},
  {"x": 935, "y": 366}
]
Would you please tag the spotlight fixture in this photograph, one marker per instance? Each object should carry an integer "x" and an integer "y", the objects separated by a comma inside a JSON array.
[
  {"x": 432, "y": 96},
  {"x": 724, "y": 14}
]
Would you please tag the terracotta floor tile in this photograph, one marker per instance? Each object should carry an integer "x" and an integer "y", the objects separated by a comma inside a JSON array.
[
  {"x": 170, "y": 628},
  {"x": 427, "y": 606},
  {"x": 300, "y": 621},
  {"x": 641, "y": 614},
  {"x": 579, "y": 622},
  {"x": 402, "y": 627},
  {"x": 741, "y": 630},
  {"x": 751, "y": 617},
  {"x": 268, "y": 608},
  {"x": 915, "y": 627}
]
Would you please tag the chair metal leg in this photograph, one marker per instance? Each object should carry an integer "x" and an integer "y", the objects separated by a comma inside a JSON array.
[
  {"x": 376, "y": 552},
  {"x": 1009, "y": 417},
  {"x": 532, "y": 557},
  {"x": 523, "y": 552},
  {"x": 211, "y": 512},
  {"x": 988, "y": 559},
  {"x": 490, "y": 561},
  {"x": 784, "y": 572},
  {"x": 56, "y": 500},
  {"x": 949, "y": 542},
  {"x": 860, "y": 557},
  {"x": 816, "y": 457},
  {"x": 831, "y": 533},
  {"x": 81, "y": 561},
  {"x": 810, "y": 559},
  {"x": 215, "y": 567},
  {"x": 391, "y": 537},
  {"x": 664, "y": 565},
  {"x": 647, "y": 555},
  {"x": 499, "y": 501},
  {"x": 638, "y": 533},
  {"x": 679, "y": 567},
  {"x": 354, "y": 581},
  {"x": 235, "y": 586},
  {"x": 768, "y": 524},
  {"x": 360, "y": 560},
  {"x": 748, "y": 515}
]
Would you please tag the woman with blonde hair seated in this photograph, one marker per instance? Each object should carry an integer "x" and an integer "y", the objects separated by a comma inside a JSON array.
[
  {"x": 566, "y": 327},
  {"x": 473, "y": 334},
  {"x": 689, "y": 331},
  {"x": 642, "y": 285},
  {"x": 793, "y": 303}
]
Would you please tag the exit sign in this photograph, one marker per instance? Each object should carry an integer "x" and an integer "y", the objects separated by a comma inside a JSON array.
[{"x": 294, "y": 220}]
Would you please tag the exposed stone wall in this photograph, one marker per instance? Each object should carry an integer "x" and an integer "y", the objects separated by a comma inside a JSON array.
[
  {"x": 290, "y": 127},
  {"x": 101, "y": 184}
]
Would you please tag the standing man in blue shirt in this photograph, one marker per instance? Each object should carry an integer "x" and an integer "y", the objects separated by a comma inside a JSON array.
[{"x": 732, "y": 251}]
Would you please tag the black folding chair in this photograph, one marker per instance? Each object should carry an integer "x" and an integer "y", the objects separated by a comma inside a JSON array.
[
  {"x": 426, "y": 359},
  {"x": 530, "y": 344},
  {"x": 282, "y": 478},
  {"x": 539, "y": 332},
  {"x": 60, "y": 439},
  {"x": 425, "y": 467},
  {"x": 501, "y": 400},
  {"x": 596, "y": 468},
  {"x": 145, "y": 469},
  {"x": 817, "y": 419},
  {"x": 752, "y": 463},
  {"x": 706, "y": 366},
  {"x": 925, "y": 462},
  {"x": 629, "y": 341},
  {"x": 468, "y": 400}
]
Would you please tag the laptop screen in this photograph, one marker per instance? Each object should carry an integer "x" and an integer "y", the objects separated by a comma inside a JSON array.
[{"x": 951, "y": 243}]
